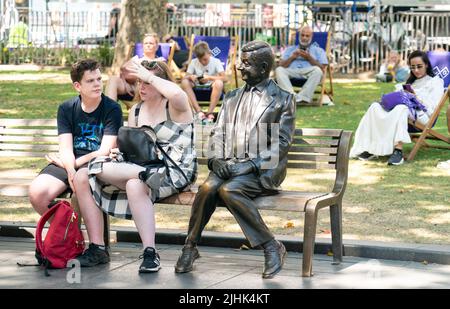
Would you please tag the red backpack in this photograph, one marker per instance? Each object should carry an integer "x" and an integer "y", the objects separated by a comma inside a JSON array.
[{"x": 64, "y": 240}]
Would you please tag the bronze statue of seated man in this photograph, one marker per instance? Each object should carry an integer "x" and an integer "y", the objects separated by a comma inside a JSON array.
[{"x": 248, "y": 158}]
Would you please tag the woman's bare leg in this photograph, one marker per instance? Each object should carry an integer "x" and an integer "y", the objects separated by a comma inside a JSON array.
[
  {"x": 399, "y": 146},
  {"x": 118, "y": 174},
  {"x": 217, "y": 89},
  {"x": 187, "y": 86},
  {"x": 142, "y": 210}
]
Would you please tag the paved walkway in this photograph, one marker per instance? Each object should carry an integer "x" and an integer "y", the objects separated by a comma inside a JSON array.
[{"x": 218, "y": 268}]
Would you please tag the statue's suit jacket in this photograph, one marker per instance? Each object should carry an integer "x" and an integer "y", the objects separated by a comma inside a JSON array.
[{"x": 272, "y": 124}]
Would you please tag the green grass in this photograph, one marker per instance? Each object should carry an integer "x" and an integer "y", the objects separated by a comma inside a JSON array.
[{"x": 408, "y": 203}]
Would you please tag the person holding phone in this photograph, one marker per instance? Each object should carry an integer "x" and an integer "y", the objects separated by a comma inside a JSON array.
[
  {"x": 383, "y": 133},
  {"x": 205, "y": 71},
  {"x": 408, "y": 87},
  {"x": 307, "y": 60}
]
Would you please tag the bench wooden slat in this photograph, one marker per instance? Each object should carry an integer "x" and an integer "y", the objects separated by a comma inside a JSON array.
[
  {"x": 202, "y": 160},
  {"x": 304, "y": 149},
  {"x": 34, "y": 147},
  {"x": 23, "y": 138},
  {"x": 311, "y": 157},
  {"x": 28, "y": 122},
  {"x": 317, "y": 132},
  {"x": 311, "y": 165},
  {"x": 23, "y": 154},
  {"x": 319, "y": 142},
  {"x": 14, "y": 190},
  {"x": 284, "y": 201},
  {"x": 293, "y": 164},
  {"x": 7, "y": 131}
]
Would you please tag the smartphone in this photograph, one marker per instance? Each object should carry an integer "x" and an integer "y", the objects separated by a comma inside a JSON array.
[
  {"x": 302, "y": 47},
  {"x": 200, "y": 79},
  {"x": 407, "y": 87}
]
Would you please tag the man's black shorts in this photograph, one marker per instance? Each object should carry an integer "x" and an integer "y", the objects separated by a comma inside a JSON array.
[{"x": 58, "y": 172}]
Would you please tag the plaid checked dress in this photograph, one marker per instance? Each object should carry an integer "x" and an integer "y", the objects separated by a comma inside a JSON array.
[{"x": 177, "y": 139}]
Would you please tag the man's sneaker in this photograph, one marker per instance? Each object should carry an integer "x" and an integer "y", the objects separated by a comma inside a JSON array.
[
  {"x": 396, "y": 157},
  {"x": 151, "y": 262},
  {"x": 299, "y": 99},
  {"x": 366, "y": 156},
  {"x": 93, "y": 256}
]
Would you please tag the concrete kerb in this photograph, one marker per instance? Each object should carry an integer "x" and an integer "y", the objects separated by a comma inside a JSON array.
[{"x": 439, "y": 254}]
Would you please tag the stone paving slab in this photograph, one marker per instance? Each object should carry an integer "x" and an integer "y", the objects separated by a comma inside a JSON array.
[{"x": 218, "y": 268}]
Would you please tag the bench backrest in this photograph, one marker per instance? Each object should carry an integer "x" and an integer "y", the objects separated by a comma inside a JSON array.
[
  {"x": 28, "y": 137},
  {"x": 311, "y": 149}
]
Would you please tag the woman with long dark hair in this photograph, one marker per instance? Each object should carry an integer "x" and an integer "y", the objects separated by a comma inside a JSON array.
[{"x": 383, "y": 133}]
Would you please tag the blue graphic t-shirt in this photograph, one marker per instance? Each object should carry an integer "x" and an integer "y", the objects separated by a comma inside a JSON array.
[{"x": 88, "y": 129}]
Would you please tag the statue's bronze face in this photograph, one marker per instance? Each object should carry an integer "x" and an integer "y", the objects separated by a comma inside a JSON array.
[{"x": 253, "y": 71}]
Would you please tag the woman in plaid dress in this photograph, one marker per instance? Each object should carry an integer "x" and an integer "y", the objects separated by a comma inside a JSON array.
[{"x": 118, "y": 187}]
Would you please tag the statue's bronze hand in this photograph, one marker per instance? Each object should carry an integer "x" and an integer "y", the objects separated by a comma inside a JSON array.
[
  {"x": 220, "y": 168},
  {"x": 242, "y": 168}
]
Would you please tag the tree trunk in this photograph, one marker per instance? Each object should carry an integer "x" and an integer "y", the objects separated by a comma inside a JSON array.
[{"x": 137, "y": 18}]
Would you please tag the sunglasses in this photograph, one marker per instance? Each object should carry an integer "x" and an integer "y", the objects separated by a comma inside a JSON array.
[
  {"x": 414, "y": 67},
  {"x": 151, "y": 65},
  {"x": 155, "y": 66}
]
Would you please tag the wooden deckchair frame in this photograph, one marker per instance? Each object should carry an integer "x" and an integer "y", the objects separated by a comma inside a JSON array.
[{"x": 427, "y": 131}]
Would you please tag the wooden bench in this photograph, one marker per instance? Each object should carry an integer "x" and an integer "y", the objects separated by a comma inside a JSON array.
[{"x": 312, "y": 149}]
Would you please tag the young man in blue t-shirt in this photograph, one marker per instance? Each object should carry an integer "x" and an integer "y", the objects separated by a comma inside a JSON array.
[
  {"x": 307, "y": 60},
  {"x": 87, "y": 128}
]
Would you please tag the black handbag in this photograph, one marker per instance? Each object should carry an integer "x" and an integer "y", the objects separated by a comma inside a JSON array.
[{"x": 139, "y": 145}]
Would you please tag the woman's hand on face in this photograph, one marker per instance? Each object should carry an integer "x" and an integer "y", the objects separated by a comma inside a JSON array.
[{"x": 138, "y": 71}]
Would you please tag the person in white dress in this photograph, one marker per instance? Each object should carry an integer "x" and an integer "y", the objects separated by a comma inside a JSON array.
[{"x": 383, "y": 133}]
